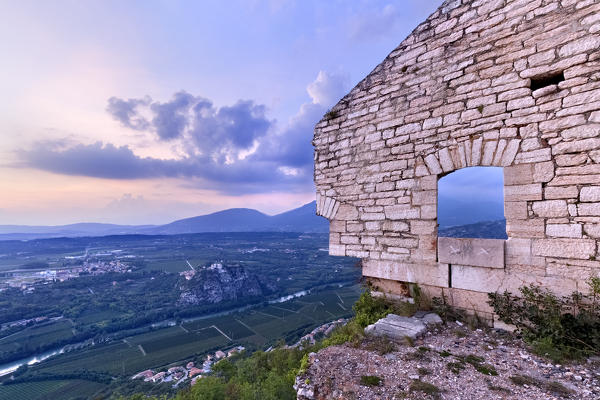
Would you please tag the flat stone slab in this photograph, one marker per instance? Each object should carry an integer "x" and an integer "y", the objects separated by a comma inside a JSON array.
[
  {"x": 471, "y": 252},
  {"x": 397, "y": 327}
]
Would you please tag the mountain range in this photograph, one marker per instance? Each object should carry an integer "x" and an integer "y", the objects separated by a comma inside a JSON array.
[
  {"x": 451, "y": 213},
  {"x": 301, "y": 219}
]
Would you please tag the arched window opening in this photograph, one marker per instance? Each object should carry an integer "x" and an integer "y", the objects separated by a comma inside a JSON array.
[{"x": 471, "y": 204}]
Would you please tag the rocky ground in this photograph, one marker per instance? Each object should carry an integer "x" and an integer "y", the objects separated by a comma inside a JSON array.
[{"x": 449, "y": 362}]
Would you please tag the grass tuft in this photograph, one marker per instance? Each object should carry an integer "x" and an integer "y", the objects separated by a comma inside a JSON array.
[{"x": 370, "y": 380}]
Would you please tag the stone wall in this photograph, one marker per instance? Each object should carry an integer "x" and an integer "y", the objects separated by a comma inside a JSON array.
[{"x": 507, "y": 83}]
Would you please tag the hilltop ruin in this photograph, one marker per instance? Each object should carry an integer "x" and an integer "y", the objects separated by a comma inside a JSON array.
[{"x": 506, "y": 83}]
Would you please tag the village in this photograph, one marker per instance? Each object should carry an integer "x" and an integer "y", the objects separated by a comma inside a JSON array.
[
  {"x": 27, "y": 280},
  {"x": 191, "y": 371}
]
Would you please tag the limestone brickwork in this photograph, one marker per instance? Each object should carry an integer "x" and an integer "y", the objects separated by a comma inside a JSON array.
[{"x": 507, "y": 83}]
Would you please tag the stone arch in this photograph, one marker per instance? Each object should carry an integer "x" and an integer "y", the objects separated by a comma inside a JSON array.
[{"x": 475, "y": 152}]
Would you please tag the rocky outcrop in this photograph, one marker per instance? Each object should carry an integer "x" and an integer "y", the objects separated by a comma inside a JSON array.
[
  {"x": 448, "y": 362},
  {"x": 217, "y": 283}
]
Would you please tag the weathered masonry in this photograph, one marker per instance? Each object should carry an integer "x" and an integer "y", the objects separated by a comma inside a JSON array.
[{"x": 506, "y": 83}]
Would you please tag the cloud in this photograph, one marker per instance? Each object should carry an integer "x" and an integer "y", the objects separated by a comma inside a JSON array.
[
  {"x": 328, "y": 88},
  {"x": 171, "y": 118},
  {"x": 100, "y": 161},
  {"x": 224, "y": 133},
  {"x": 234, "y": 149},
  {"x": 125, "y": 111}
]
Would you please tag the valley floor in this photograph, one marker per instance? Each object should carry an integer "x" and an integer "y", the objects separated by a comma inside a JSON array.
[{"x": 450, "y": 362}]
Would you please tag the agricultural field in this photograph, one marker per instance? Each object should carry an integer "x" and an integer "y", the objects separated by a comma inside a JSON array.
[
  {"x": 38, "y": 335},
  {"x": 148, "y": 288},
  {"x": 55, "y": 389},
  {"x": 255, "y": 328},
  {"x": 120, "y": 310}
]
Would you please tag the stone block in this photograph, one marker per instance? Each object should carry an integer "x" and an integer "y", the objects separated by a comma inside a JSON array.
[
  {"x": 337, "y": 250},
  {"x": 561, "y": 192},
  {"x": 523, "y": 192},
  {"x": 420, "y": 197},
  {"x": 498, "y": 280},
  {"x": 476, "y": 278},
  {"x": 488, "y": 152},
  {"x": 590, "y": 194},
  {"x": 510, "y": 152},
  {"x": 347, "y": 212},
  {"x": 582, "y": 45},
  {"x": 550, "y": 208},
  {"x": 433, "y": 164},
  {"x": 515, "y": 210},
  {"x": 429, "y": 211},
  {"x": 395, "y": 226},
  {"x": 468, "y": 300},
  {"x": 591, "y": 209},
  {"x": 446, "y": 160},
  {"x": 581, "y": 249},
  {"x": 520, "y": 174},
  {"x": 592, "y": 230},
  {"x": 434, "y": 274},
  {"x": 401, "y": 211},
  {"x": 516, "y": 247},
  {"x": 337, "y": 226},
  {"x": 477, "y": 252},
  {"x": 576, "y": 146},
  {"x": 564, "y": 230},
  {"x": 543, "y": 172},
  {"x": 531, "y": 228},
  {"x": 568, "y": 160},
  {"x": 423, "y": 227},
  {"x": 476, "y": 152}
]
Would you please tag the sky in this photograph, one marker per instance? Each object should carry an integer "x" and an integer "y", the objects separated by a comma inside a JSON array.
[{"x": 143, "y": 112}]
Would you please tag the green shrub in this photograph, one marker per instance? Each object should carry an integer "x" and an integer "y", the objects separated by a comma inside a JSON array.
[
  {"x": 553, "y": 387},
  {"x": 424, "y": 387},
  {"x": 352, "y": 332},
  {"x": 380, "y": 345},
  {"x": 370, "y": 380},
  {"x": 560, "y": 328},
  {"x": 369, "y": 309}
]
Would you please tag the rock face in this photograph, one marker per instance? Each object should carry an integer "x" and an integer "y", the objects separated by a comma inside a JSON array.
[
  {"x": 217, "y": 283},
  {"x": 505, "y": 83}
]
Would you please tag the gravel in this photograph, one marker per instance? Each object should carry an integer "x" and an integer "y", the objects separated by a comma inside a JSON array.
[{"x": 449, "y": 362}]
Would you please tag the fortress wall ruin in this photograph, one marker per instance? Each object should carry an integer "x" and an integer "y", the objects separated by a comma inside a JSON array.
[{"x": 507, "y": 83}]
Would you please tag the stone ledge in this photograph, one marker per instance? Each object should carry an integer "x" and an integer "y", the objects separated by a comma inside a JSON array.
[{"x": 476, "y": 252}]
